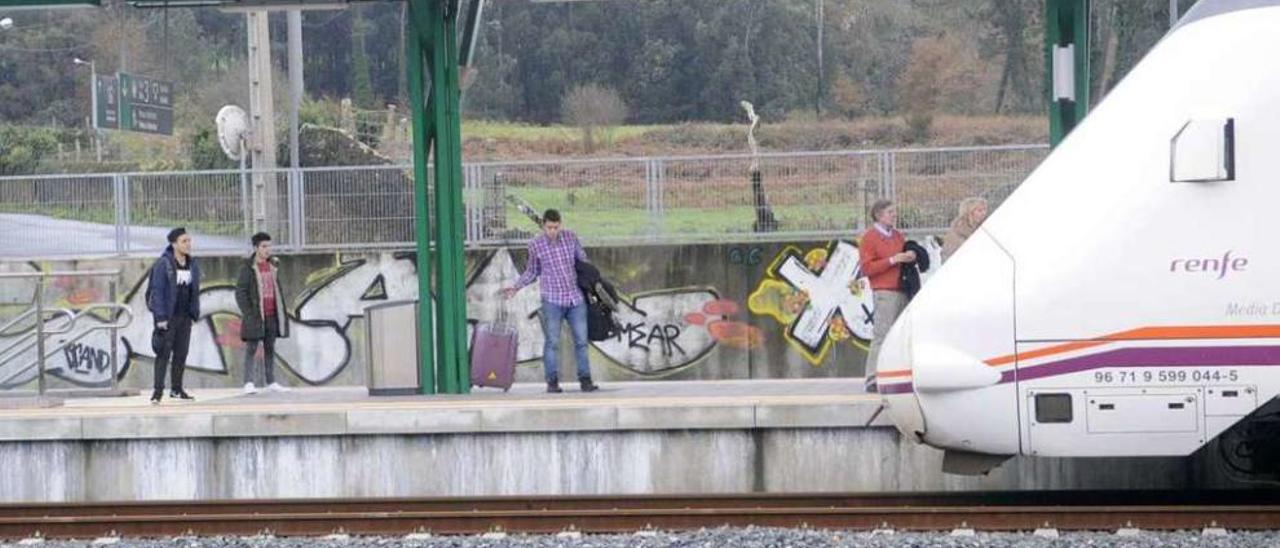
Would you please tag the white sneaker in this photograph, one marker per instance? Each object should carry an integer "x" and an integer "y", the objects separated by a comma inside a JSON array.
[
  {"x": 249, "y": 388},
  {"x": 275, "y": 387}
]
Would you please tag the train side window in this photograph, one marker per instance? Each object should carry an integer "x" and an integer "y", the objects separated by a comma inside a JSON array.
[
  {"x": 1203, "y": 151},
  {"x": 1051, "y": 408}
]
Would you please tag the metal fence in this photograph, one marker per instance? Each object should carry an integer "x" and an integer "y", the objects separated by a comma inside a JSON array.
[{"x": 678, "y": 199}]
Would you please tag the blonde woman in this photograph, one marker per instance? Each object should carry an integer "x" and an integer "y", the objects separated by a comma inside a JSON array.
[{"x": 972, "y": 212}]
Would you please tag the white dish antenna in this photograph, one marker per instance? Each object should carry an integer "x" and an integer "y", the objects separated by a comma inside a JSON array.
[{"x": 233, "y": 130}]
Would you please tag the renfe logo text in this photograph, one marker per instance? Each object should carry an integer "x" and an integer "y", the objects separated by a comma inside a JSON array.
[{"x": 1212, "y": 266}]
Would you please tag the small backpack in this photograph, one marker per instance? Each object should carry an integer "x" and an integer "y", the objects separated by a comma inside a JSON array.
[{"x": 150, "y": 288}]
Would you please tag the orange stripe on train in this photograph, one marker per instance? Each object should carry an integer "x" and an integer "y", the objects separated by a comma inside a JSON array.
[{"x": 1146, "y": 333}]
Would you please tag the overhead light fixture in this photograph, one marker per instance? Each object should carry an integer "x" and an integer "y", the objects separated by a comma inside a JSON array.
[
  {"x": 49, "y": 4},
  {"x": 240, "y": 6},
  {"x": 175, "y": 3}
]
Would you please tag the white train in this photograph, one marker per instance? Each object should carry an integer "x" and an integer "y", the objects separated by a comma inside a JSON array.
[{"x": 1125, "y": 299}]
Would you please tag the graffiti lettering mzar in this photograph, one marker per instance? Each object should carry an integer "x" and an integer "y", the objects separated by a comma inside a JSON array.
[{"x": 657, "y": 338}]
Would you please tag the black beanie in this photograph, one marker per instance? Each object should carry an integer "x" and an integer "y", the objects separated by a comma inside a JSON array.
[{"x": 176, "y": 233}]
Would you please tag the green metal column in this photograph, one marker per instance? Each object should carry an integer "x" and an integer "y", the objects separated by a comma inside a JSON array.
[
  {"x": 446, "y": 95},
  {"x": 422, "y": 137},
  {"x": 440, "y": 119},
  {"x": 1066, "y": 26}
]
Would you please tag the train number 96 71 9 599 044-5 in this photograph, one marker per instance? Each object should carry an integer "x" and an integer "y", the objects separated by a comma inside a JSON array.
[{"x": 1161, "y": 376}]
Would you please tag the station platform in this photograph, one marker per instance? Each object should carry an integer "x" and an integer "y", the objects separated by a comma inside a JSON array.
[
  {"x": 350, "y": 411},
  {"x": 697, "y": 437}
]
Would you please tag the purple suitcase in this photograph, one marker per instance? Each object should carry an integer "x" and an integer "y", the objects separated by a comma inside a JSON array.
[{"x": 493, "y": 355}]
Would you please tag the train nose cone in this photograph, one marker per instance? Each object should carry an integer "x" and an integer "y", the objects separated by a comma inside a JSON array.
[
  {"x": 943, "y": 370},
  {"x": 894, "y": 379}
]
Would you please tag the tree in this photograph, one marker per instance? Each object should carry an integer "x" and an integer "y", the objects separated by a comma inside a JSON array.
[
  {"x": 361, "y": 84},
  {"x": 847, "y": 97},
  {"x": 651, "y": 78},
  {"x": 1124, "y": 30},
  {"x": 1010, "y": 19},
  {"x": 593, "y": 108},
  {"x": 22, "y": 148},
  {"x": 493, "y": 95},
  {"x": 326, "y": 52},
  {"x": 940, "y": 75}
]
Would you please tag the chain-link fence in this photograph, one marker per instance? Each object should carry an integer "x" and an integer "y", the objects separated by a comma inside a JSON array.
[
  {"x": 720, "y": 197},
  {"x": 679, "y": 199}
]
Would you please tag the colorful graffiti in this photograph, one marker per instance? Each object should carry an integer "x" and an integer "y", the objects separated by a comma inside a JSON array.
[
  {"x": 820, "y": 295},
  {"x": 718, "y": 317},
  {"x": 746, "y": 256},
  {"x": 319, "y": 346},
  {"x": 664, "y": 331},
  {"x": 656, "y": 338},
  {"x": 318, "y": 349}
]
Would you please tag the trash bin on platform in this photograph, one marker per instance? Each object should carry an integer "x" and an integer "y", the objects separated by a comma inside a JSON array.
[{"x": 392, "y": 332}]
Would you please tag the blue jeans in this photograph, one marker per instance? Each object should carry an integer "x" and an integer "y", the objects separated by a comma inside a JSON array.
[{"x": 552, "y": 314}]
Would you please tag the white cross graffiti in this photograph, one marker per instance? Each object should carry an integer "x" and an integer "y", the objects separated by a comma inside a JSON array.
[{"x": 828, "y": 293}]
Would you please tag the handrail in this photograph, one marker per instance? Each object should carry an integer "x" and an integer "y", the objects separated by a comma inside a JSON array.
[
  {"x": 17, "y": 319},
  {"x": 54, "y": 312},
  {"x": 119, "y": 308},
  {"x": 58, "y": 273},
  {"x": 29, "y": 312},
  {"x": 124, "y": 310}
]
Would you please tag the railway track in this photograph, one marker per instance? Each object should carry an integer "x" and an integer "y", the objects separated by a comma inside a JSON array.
[{"x": 1098, "y": 510}]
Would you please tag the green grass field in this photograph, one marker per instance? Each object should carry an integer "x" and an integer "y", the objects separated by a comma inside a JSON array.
[{"x": 592, "y": 216}]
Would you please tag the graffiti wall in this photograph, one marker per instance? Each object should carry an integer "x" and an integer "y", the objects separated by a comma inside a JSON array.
[{"x": 708, "y": 311}]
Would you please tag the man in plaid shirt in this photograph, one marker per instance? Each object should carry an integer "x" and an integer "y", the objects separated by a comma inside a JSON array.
[{"x": 552, "y": 261}]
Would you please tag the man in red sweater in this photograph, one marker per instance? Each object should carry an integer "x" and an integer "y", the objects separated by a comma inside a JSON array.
[{"x": 881, "y": 257}]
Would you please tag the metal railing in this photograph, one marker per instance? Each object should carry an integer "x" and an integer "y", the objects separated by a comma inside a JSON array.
[
  {"x": 61, "y": 334},
  {"x": 673, "y": 199}
]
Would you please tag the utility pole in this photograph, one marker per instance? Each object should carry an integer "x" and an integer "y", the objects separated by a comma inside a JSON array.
[
  {"x": 93, "y": 100},
  {"x": 295, "y": 83},
  {"x": 262, "y": 147},
  {"x": 817, "y": 96},
  {"x": 123, "y": 65},
  {"x": 93, "y": 104},
  {"x": 1173, "y": 13}
]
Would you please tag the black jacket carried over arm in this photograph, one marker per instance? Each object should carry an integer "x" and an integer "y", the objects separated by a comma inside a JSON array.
[
  {"x": 909, "y": 276},
  {"x": 602, "y": 302}
]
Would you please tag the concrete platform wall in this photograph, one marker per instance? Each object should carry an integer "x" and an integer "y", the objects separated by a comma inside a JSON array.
[
  {"x": 674, "y": 461},
  {"x": 693, "y": 312}
]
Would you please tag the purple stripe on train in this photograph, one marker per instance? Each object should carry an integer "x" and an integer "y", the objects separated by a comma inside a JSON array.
[
  {"x": 1193, "y": 356},
  {"x": 897, "y": 388}
]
